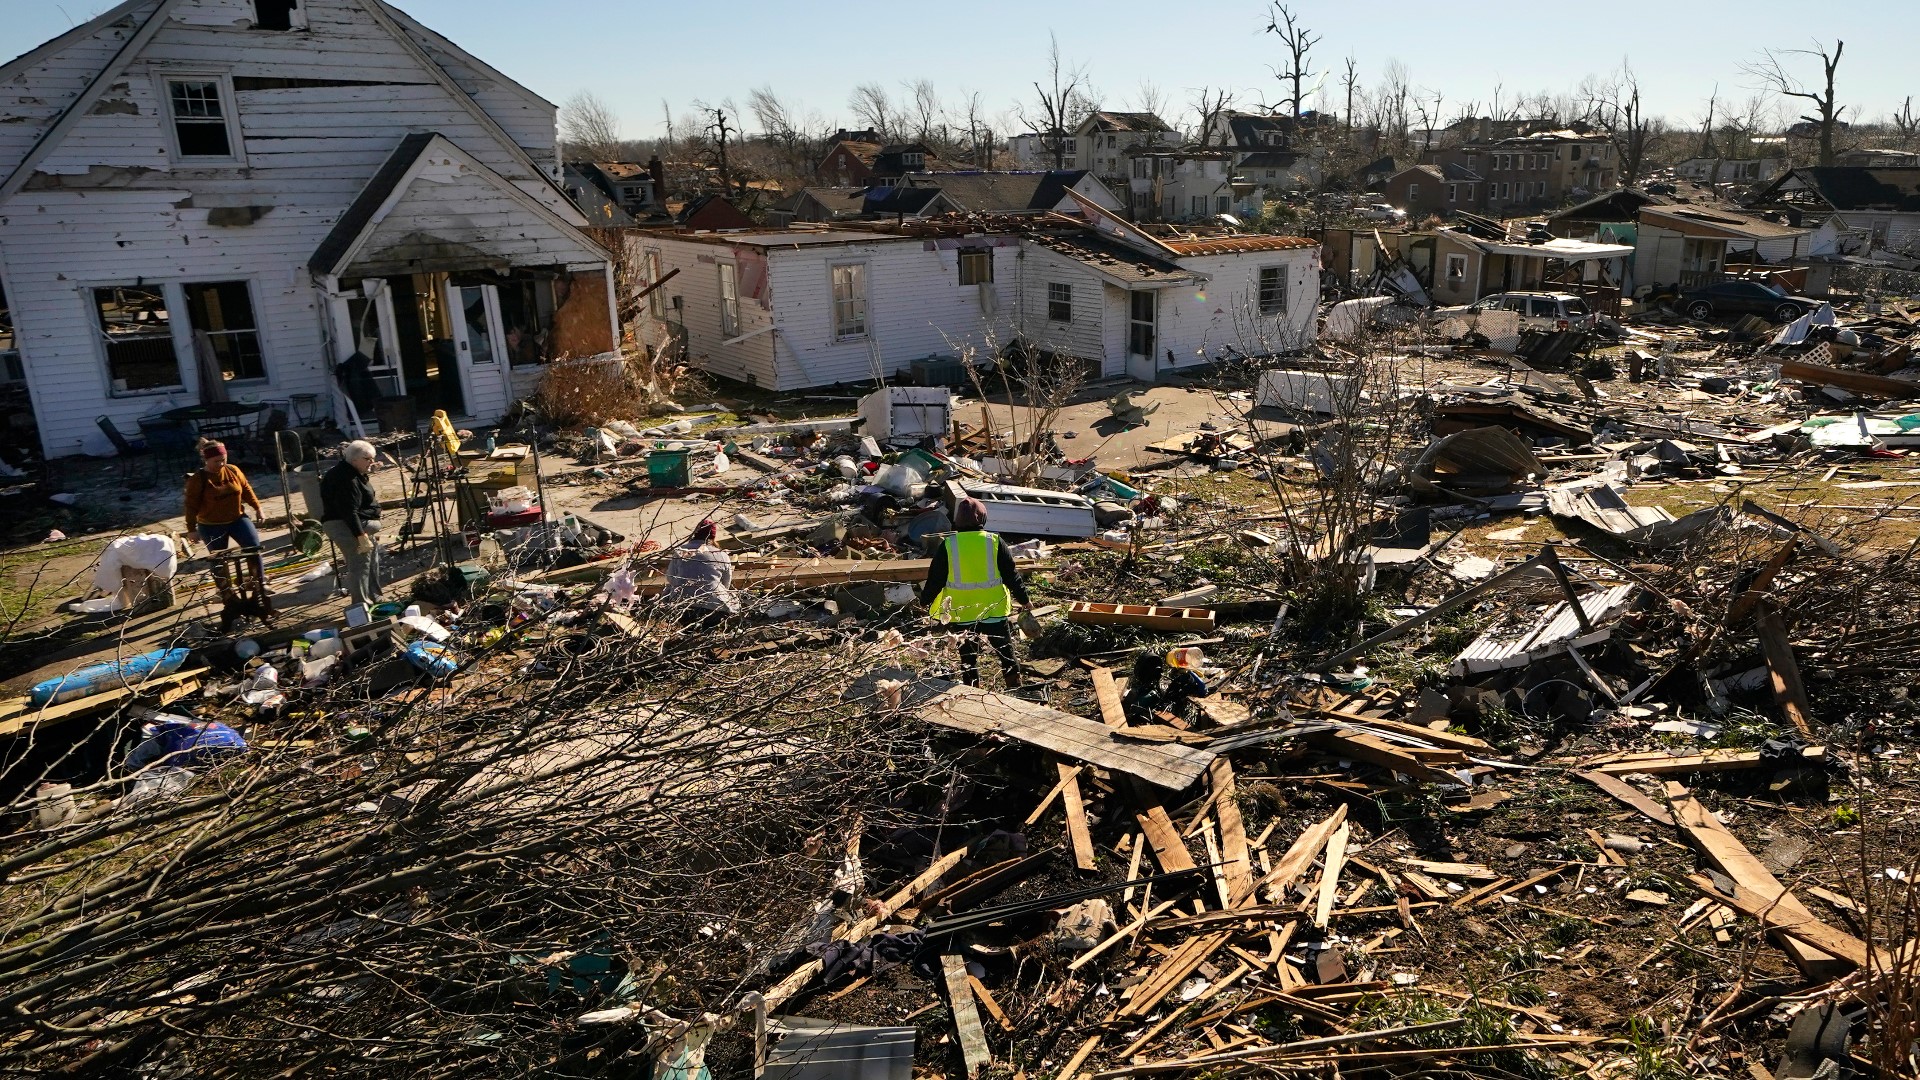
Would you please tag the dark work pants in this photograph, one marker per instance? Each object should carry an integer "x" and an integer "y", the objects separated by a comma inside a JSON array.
[{"x": 999, "y": 634}]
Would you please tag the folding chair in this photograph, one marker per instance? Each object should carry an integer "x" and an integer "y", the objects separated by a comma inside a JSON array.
[{"x": 128, "y": 451}]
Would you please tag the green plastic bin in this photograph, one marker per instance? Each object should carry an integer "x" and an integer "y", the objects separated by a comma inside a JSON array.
[{"x": 668, "y": 468}]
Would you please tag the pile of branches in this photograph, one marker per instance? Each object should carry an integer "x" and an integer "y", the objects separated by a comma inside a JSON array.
[{"x": 439, "y": 884}]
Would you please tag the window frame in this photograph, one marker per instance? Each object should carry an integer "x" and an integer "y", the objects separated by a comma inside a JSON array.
[
  {"x": 1060, "y": 300},
  {"x": 265, "y": 378},
  {"x": 296, "y": 18},
  {"x": 1264, "y": 301},
  {"x": 729, "y": 293},
  {"x": 838, "y": 325},
  {"x": 976, "y": 257},
  {"x": 164, "y": 78},
  {"x": 89, "y": 295},
  {"x": 650, "y": 266},
  {"x": 1459, "y": 260}
]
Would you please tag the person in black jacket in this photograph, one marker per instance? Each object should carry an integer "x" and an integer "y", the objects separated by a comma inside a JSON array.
[{"x": 351, "y": 516}]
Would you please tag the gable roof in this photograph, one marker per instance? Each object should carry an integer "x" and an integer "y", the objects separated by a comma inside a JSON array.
[
  {"x": 1855, "y": 187},
  {"x": 1124, "y": 121},
  {"x": 390, "y": 184},
  {"x": 378, "y": 11},
  {"x": 1424, "y": 170}
]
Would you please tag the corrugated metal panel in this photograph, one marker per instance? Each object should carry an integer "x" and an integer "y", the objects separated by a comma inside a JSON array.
[
  {"x": 818, "y": 1050},
  {"x": 1555, "y": 631}
]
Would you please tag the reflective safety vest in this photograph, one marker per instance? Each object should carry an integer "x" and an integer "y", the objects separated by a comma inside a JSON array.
[{"x": 974, "y": 590}]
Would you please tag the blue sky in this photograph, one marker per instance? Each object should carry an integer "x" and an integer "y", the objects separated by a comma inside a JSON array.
[{"x": 635, "y": 54}]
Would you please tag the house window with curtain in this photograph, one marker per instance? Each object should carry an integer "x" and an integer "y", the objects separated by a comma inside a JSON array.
[
  {"x": 850, "y": 300},
  {"x": 136, "y": 333},
  {"x": 976, "y": 266},
  {"x": 221, "y": 313}
]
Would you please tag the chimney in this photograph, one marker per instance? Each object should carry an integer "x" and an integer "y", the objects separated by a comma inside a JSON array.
[{"x": 658, "y": 172}]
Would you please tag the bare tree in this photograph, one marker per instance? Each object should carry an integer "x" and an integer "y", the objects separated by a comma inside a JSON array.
[
  {"x": 1615, "y": 106},
  {"x": 589, "y": 128},
  {"x": 1148, "y": 97},
  {"x": 1905, "y": 125},
  {"x": 1390, "y": 107},
  {"x": 1060, "y": 103},
  {"x": 1209, "y": 105},
  {"x": 1350, "y": 79},
  {"x": 1298, "y": 41},
  {"x": 979, "y": 132},
  {"x": 925, "y": 112},
  {"x": 874, "y": 109},
  {"x": 1773, "y": 76},
  {"x": 1429, "y": 117},
  {"x": 1707, "y": 148},
  {"x": 720, "y": 130}
]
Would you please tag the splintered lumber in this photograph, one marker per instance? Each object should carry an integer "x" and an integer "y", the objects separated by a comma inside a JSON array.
[
  {"x": 1330, "y": 875},
  {"x": 1168, "y": 847},
  {"x": 1233, "y": 833},
  {"x": 1040, "y": 811},
  {"x": 993, "y": 1008},
  {"x": 1463, "y": 597},
  {"x": 1300, "y": 1047},
  {"x": 981, "y": 712},
  {"x": 1435, "y": 736},
  {"x": 1293, "y": 865},
  {"x": 1656, "y": 763},
  {"x": 1412, "y": 761},
  {"x": 1762, "y": 581},
  {"x": 1727, "y": 854},
  {"x": 1120, "y": 935},
  {"x": 908, "y": 893},
  {"x": 966, "y": 1018},
  {"x": 1783, "y": 670},
  {"x": 1811, "y": 932},
  {"x": 1107, "y": 692},
  {"x": 1470, "y": 871},
  {"x": 1171, "y": 973},
  {"x": 1146, "y": 616},
  {"x": 1856, "y": 382},
  {"x": 1077, "y": 833},
  {"x": 1626, "y": 793}
]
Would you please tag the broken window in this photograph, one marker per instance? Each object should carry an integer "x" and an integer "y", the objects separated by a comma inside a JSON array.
[
  {"x": 1273, "y": 290},
  {"x": 729, "y": 300},
  {"x": 200, "y": 115},
  {"x": 849, "y": 300},
  {"x": 976, "y": 266},
  {"x": 526, "y": 318},
  {"x": 221, "y": 313},
  {"x": 274, "y": 14},
  {"x": 137, "y": 334},
  {"x": 1456, "y": 269},
  {"x": 1059, "y": 302}
]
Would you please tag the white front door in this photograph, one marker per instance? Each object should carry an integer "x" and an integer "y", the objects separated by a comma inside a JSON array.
[
  {"x": 1143, "y": 334},
  {"x": 481, "y": 345}
]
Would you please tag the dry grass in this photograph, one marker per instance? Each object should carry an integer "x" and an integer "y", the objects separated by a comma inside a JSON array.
[{"x": 575, "y": 393}]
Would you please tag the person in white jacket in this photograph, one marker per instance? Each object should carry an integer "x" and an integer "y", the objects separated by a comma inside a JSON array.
[{"x": 700, "y": 577}]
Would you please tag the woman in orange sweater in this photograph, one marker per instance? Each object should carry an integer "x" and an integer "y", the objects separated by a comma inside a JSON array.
[{"x": 214, "y": 503}]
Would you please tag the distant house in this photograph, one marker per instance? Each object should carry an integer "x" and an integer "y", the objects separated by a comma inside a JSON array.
[
  {"x": 1714, "y": 170},
  {"x": 818, "y": 204},
  {"x": 599, "y": 208},
  {"x": 1535, "y": 170},
  {"x": 630, "y": 186},
  {"x": 848, "y": 163},
  {"x": 1854, "y": 210},
  {"x": 1690, "y": 244},
  {"x": 989, "y": 193},
  {"x": 1479, "y": 259},
  {"x": 1034, "y": 150},
  {"x": 206, "y": 200},
  {"x": 1428, "y": 190},
  {"x": 709, "y": 212},
  {"x": 790, "y": 309}
]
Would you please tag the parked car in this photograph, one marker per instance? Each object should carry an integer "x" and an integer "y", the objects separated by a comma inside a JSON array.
[
  {"x": 1537, "y": 310},
  {"x": 1744, "y": 296},
  {"x": 1382, "y": 212}
]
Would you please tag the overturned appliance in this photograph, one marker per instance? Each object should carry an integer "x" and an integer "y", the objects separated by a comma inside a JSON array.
[
  {"x": 907, "y": 415},
  {"x": 1310, "y": 391}
]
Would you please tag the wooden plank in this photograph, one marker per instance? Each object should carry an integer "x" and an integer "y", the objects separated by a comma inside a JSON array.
[
  {"x": 1120, "y": 935},
  {"x": 1172, "y": 972},
  {"x": 986, "y": 1002},
  {"x": 1789, "y": 692},
  {"x": 1727, "y": 854},
  {"x": 19, "y": 714},
  {"x": 1811, "y": 933},
  {"x": 982, "y": 712},
  {"x": 1762, "y": 581},
  {"x": 1233, "y": 833},
  {"x": 1077, "y": 833},
  {"x": 1168, "y": 848},
  {"x": 1470, "y": 871},
  {"x": 1858, "y": 382},
  {"x": 966, "y": 1018},
  {"x": 1401, "y": 759},
  {"x": 1436, "y": 737},
  {"x": 1293, "y": 865},
  {"x": 1627, "y": 794},
  {"x": 1107, "y": 693},
  {"x": 1659, "y": 764},
  {"x": 907, "y": 894},
  {"x": 1330, "y": 874},
  {"x": 1071, "y": 1070},
  {"x": 1040, "y": 811},
  {"x": 1145, "y": 616}
]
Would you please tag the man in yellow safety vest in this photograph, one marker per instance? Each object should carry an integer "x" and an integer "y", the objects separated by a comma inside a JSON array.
[{"x": 972, "y": 586}]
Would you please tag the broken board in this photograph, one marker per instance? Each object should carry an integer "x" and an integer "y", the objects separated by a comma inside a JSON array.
[
  {"x": 982, "y": 712},
  {"x": 1146, "y": 616}
]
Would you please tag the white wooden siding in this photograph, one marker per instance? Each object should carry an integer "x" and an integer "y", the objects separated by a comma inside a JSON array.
[
  {"x": 1199, "y": 322},
  {"x": 1083, "y": 338},
  {"x": 107, "y": 205}
]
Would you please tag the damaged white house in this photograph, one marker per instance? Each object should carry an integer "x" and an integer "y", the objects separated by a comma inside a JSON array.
[
  {"x": 789, "y": 309},
  {"x": 222, "y": 200}
]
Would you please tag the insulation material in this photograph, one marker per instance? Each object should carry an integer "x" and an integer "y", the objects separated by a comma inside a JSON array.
[{"x": 581, "y": 324}]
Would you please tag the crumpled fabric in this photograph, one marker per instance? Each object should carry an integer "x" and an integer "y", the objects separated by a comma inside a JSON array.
[
  {"x": 147, "y": 551},
  {"x": 853, "y": 959}
]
